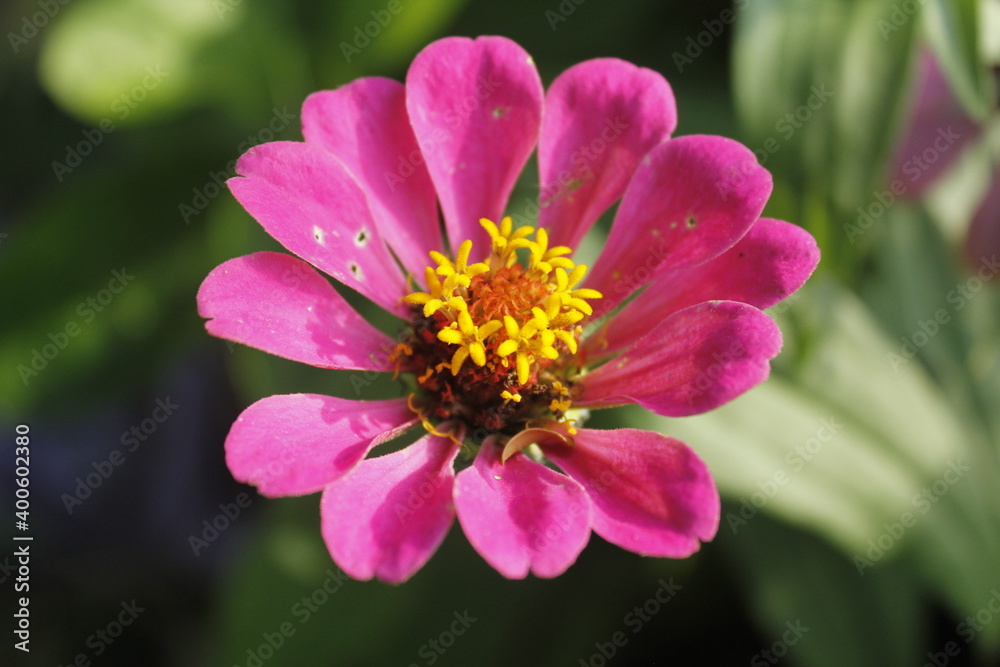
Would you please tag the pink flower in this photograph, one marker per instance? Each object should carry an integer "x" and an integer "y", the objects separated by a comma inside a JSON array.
[
  {"x": 500, "y": 346},
  {"x": 983, "y": 239},
  {"x": 937, "y": 131}
]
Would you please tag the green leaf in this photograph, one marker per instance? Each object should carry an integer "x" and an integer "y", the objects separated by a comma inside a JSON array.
[
  {"x": 809, "y": 599},
  {"x": 928, "y": 310},
  {"x": 124, "y": 60},
  {"x": 819, "y": 86}
]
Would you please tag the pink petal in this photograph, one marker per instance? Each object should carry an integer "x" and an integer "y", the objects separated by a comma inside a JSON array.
[
  {"x": 278, "y": 303},
  {"x": 388, "y": 517},
  {"x": 364, "y": 124},
  {"x": 937, "y": 131},
  {"x": 771, "y": 262},
  {"x": 306, "y": 199},
  {"x": 694, "y": 361},
  {"x": 651, "y": 494},
  {"x": 601, "y": 117},
  {"x": 521, "y": 516},
  {"x": 476, "y": 107},
  {"x": 691, "y": 199},
  {"x": 296, "y": 444}
]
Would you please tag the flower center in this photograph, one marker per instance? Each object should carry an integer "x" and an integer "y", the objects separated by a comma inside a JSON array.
[{"x": 497, "y": 340}]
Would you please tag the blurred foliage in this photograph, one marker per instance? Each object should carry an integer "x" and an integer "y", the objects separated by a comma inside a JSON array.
[
  {"x": 124, "y": 118},
  {"x": 953, "y": 30},
  {"x": 805, "y": 74}
]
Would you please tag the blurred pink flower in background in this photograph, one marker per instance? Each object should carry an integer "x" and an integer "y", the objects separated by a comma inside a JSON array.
[
  {"x": 936, "y": 133},
  {"x": 983, "y": 238}
]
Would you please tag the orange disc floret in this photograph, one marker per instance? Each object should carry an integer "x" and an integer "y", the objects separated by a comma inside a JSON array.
[
  {"x": 510, "y": 291},
  {"x": 499, "y": 334}
]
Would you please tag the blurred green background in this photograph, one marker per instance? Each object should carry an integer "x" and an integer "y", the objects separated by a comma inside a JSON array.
[{"x": 861, "y": 484}]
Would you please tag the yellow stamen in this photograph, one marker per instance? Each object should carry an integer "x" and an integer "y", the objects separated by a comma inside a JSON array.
[
  {"x": 508, "y": 397},
  {"x": 560, "y": 405},
  {"x": 502, "y": 313}
]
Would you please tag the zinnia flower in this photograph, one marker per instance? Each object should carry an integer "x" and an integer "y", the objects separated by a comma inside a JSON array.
[
  {"x": 936, "y": 134},
  {"x": 504, "y": 341}
]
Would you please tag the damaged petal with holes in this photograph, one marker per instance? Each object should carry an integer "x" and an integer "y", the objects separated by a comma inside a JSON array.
[{"x": 504, "y": 343}]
